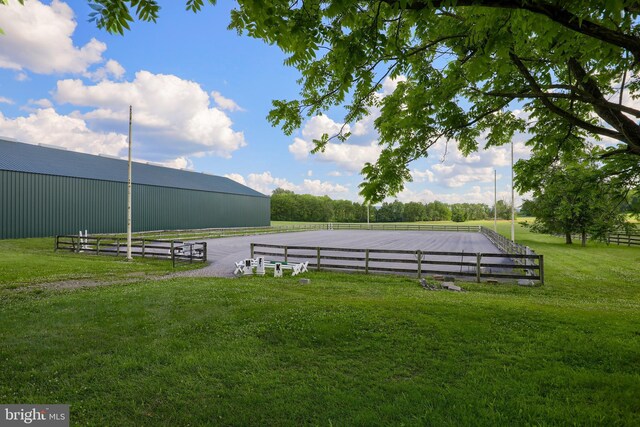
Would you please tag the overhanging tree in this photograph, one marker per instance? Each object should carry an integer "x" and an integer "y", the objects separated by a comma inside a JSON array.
[
  {"x": 466, "y": 64},
  {"x": 574, "y": 196}
]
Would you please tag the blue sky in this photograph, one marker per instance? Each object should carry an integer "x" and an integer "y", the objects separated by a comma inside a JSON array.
[{"x": 200, "y": 95}]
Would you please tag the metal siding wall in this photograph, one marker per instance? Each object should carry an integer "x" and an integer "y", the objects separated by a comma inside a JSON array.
[{"x": 33, "y": 205}]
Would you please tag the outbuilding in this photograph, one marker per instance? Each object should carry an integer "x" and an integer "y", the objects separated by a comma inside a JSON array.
[{"x": 46, "y": 191}]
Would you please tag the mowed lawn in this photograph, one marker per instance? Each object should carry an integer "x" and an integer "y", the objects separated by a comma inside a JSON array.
[{"x": 347, "y": 349}]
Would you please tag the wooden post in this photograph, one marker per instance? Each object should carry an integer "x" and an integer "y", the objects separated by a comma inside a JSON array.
[
  {"x": 98, "y": 246},
  {"x": 541, "y": 272},
  {"x": 366, "y": 261},
  {"x": 253, "y": 250},
  {"x": 318, "y": 258},
  {"x": 117, "y": 246},
  {"x": 204, "y": 251},
  {"x": 172, "y": 248},
  {"x": 419, "y": 256},
  {"x": 143, "y": 247},
  {"x": 286, "y": 254},
  {"x": 55, "y": 249},
  {"x": 478, "y": 266}
]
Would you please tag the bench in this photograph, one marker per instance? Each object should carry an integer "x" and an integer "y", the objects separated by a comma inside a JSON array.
[{"x": 245, "y": 267}]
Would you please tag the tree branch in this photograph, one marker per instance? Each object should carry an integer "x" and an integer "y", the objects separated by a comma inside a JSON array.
[
  {"x": 555, "y": 12},
  {"x": 557, "y": 110}
]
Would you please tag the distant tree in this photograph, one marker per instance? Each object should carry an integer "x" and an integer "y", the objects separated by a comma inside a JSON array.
[
  {"x": 527, "y": 208},
  {"x": 390, "y": 212},
  {"x": 503, "y": 208},
  {"x": 458, "y": 213},
  {"x": 437, "y": 211},
  {"x": 414, "y": 211},
  {"x": 574, "y": 197}
]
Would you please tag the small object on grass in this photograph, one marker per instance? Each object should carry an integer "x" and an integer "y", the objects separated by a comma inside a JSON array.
[
  {"x": 450, "y": 286},
  {"x": 304, "y": 281},
  {"x": 492, "y": 281},
  {"x": 438, "y": 277},
  {"x": 428, "y": 286}
]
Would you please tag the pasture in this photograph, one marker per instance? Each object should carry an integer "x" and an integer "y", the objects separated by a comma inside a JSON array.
[{"x": 152, "y": 349}]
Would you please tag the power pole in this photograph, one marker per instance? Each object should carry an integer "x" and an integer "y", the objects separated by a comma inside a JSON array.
[
  {"x": 495, "y": 201},
  {"x": 513, "y": 204},
  {"x": 129, "y": 192}
]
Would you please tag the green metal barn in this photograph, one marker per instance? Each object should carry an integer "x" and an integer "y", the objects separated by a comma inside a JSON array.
[{"x": 46, "y": 191}]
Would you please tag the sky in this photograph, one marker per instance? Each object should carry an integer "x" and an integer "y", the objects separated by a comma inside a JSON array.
[{"x": 200, "y": 95}]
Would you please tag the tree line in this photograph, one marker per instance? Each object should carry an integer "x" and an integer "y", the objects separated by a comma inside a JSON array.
[{"x": 288, "y": 206}]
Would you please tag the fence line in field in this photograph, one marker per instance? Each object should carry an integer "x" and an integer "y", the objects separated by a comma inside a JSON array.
[
  {"x": 624, "y": 239},
  {"x": 177, "y": 251},
  {"x": 409, "y": 262}
]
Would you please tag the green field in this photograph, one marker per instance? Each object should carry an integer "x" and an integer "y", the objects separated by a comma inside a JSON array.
[{"x": 347, "y": 349}]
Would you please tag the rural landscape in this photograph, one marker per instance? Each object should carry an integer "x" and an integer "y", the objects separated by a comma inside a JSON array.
[
  {"x": 130, "y": 342},
  {"x": 337, "y": 213}
]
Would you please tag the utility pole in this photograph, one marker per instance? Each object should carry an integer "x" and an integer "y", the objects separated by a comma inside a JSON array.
[
  {"x": 129, "y": 258},
  {"x": 513, "y": 204},
  {"x": 495, "y": 201},
  {"x": 367, "y": 213}
]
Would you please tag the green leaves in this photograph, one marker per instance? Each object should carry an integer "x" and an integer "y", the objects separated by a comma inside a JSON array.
[
  {"x": 115, "y": 17},
  {"x": 466, "y": 64}
]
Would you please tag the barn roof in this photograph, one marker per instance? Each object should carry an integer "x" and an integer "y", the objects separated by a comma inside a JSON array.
[{"x": 45, "y": 160}]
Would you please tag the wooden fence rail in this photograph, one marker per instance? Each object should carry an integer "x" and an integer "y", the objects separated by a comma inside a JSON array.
[
  {"x": 177, "y": 251},
  {"x": 478, "y": 266},
  {"x": 624, "y": 239}
]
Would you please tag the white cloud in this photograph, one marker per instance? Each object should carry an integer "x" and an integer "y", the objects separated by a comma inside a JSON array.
[
  {"x": 38, "y": 38},
  {"x": 265, "y": 183},
  {"x": 5, "y": 100},
  {"x": 350, "y": 157},
  {"x": 475, "y": 194},
  {"x": 335, "y": 173},
  {"x": 319, "y": 125},
  {"x": 165, "y": 107},
  {"x": 22, "y": 77},
  {"x": 300, "y": 148},
  {"x": 236, "y": 177},
  {"x": 48, "y": 127},
  {"x": 390, "y": 84},
  {"x": 321, "y": 188},
  {"x": 181, "y": 162},
  {"x": 112, "y": 69},
  {"x": 225, "y": 103},
  {"x": 422, "y": 176},
  {"x": 309, "y": 172},
  {"x": 42, "y": 103}
]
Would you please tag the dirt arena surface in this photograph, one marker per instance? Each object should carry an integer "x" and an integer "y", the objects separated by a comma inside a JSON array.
[{"x": 223, "y": 253}]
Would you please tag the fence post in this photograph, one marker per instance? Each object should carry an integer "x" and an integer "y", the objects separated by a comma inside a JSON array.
[
  {"x": 143, "y": 247},
  {"x": 117, "y": 246},
  {"x": 204, "y": 251},
  {"x": 252, "y": 250},
  {"x": 55, "y": 249},
  {"x": 478, "y": 267},
  {"x": 97, "y": 246},
  {"x": 419, "y": 256},
  {"x": 318, "y": 259},
  {"x": 172, "y": 248},
  {"x": 366, "y": 261},
  {"x": 286, "y": 254},
  {"x": 541, "y": 272}
]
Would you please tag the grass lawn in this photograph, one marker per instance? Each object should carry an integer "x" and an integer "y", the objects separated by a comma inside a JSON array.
[{"x": 346, "y": 349}]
